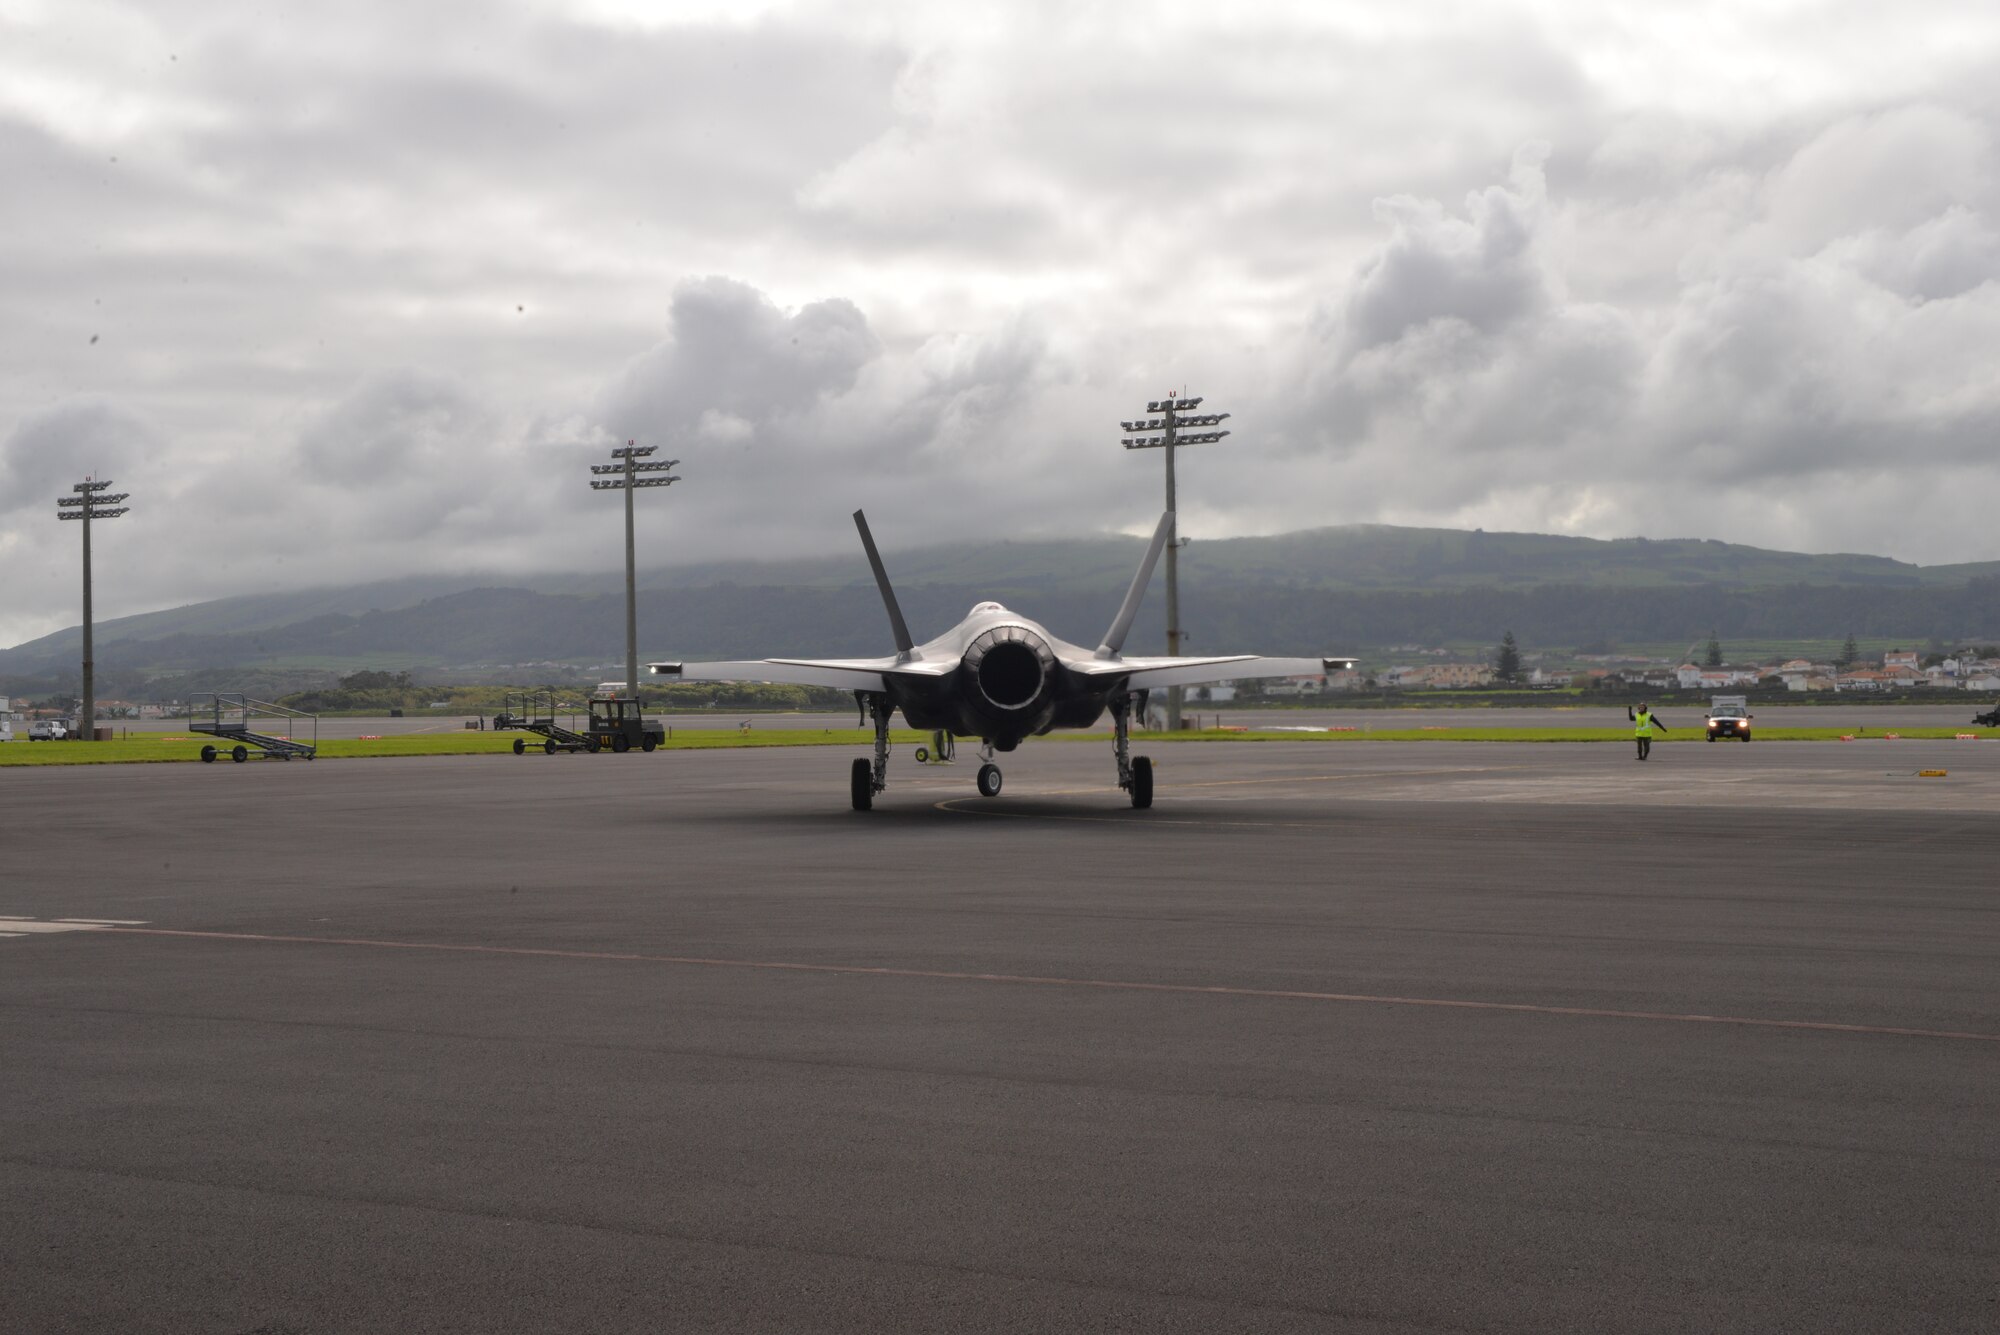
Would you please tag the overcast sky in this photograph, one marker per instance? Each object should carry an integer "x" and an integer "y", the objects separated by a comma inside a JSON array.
[{"x": 340, "y": 292}]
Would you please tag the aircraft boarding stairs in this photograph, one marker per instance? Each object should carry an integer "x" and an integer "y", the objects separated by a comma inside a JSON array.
[
  {"x": 536, "y": 712},
  {"x": 247, "y": 723}
]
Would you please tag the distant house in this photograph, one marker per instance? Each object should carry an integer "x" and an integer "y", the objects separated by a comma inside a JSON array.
[
  {"x": 1861, "y": 679},
  {"x": 1454, "y": 675},
  {"x": 1986, "y": 681},
  {"x": 1688, "y": 677},
  {"x": 1900, "y": 658}
]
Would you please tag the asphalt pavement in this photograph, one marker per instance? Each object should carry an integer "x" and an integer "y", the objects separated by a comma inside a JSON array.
[{"x": 1337, "y": 1037}]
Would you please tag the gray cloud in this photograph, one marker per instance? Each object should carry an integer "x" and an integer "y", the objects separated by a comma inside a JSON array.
[
  {"x": 48, "y": 453},
  {"x": 404, "y": 272}
]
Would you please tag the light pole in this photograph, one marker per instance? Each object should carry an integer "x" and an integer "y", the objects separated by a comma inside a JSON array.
[
  {"x": 629, "y": 481},
  {"x": 1172, "y": 425},
  {"x": 87, "y": 504}
]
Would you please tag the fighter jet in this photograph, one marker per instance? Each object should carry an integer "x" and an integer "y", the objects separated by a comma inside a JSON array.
[{"x": 1002, "y": 678}]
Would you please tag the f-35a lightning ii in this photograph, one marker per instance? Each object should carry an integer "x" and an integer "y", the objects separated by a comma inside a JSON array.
[{"x": 1001, "y": 678}]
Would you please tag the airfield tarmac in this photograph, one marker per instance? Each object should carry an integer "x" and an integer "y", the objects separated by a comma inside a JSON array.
[{"x": 1359, "y": 1038}]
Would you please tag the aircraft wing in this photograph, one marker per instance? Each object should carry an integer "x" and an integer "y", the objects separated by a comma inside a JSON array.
[
  {"x": 842, "y": 674},
  {"x": 1144, "y": 674}
]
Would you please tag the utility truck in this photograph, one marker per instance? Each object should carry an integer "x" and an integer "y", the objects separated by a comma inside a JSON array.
[{"x": 1729, "y": 716}]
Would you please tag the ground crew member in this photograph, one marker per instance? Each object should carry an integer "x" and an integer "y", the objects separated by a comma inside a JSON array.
[{"x": 1643, "y": 724}]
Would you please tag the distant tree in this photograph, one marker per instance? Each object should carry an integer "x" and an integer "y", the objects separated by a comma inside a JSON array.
[
  {"x": 1507, "y": 663},
  {"x": 1714, "y": 656},
  {"x": 1848, "y": 653},
  {"x": 376, "y": 681}
]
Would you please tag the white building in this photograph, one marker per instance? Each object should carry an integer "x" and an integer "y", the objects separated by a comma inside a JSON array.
[{"x": 6, "y": 720}]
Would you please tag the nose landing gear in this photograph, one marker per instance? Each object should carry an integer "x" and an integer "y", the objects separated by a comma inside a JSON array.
[{"x": 989, "y": 780}]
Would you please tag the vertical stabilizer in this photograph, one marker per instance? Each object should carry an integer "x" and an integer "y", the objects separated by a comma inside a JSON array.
[
  {"x": 1121, "y": 625},
  {"x": 904, "y": 644}
]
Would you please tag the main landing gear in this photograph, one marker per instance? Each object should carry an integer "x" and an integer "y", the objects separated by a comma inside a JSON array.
[
  {"x": 1135, "y": 773},
  {"x": 866, "y": 779}
]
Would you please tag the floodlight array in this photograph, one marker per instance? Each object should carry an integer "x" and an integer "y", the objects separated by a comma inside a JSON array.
[
  {"x": 636, "y": 468},
  {"x": 621, "y": 484},
  {"x": 88, "y": 501},
  {"x": 1180, "y": 438}
]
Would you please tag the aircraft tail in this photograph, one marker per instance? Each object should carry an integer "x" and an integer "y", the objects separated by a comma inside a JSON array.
[
  {"x": 1121, "y": 625},
  {"x": 905, "y": 646}
]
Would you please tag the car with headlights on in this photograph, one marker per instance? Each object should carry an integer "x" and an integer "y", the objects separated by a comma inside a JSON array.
[{"x": 1729, "y": 716}]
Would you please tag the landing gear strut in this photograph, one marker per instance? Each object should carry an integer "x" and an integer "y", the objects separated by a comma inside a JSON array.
[
  {"x": 1135, "y": 773},
  {"x": 866, "y": 779}
]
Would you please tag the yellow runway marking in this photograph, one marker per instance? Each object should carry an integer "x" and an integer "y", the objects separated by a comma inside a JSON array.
[{"x": 1095, "y": 984}]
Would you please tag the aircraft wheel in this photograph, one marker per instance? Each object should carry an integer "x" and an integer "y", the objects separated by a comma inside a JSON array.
[
  {"x": 621, "y": 744},
  {"x": 239, "y": 754},
  {"x": 923, "y": 755},
  {"x": 650, "y": 744},
  {"x": 549, "y": 747},
  {"x": 520, "y": 746},
  {"x": 861, "y": 784},
  {"x": 989, "y": 781},
  {"x": 208, "y": 755},
  {"x": 1142, "y": 782}
]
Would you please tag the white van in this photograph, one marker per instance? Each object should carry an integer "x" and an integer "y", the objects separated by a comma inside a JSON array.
[{"x": 48, "y": 730}]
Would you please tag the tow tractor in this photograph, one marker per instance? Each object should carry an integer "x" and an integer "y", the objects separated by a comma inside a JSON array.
[
  {"x": 1729, "y": 716},
  {"x": 1990, "y": 719},
  {"x": 615, "y": 723},
  {"x": 620, "y": 723}
]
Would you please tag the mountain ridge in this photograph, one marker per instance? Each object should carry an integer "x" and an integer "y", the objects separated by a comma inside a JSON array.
[{"x": 1395, "y": 579}]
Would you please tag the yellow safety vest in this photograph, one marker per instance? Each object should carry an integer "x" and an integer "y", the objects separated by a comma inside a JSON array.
[{"x": 1643, "y": 725}]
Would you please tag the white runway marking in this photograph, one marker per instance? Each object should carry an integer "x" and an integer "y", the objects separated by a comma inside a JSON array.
[{"x": 13, "y": 925}]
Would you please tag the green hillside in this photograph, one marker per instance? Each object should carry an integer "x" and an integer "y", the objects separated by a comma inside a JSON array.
[{"x": 1346, "y": 588}]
